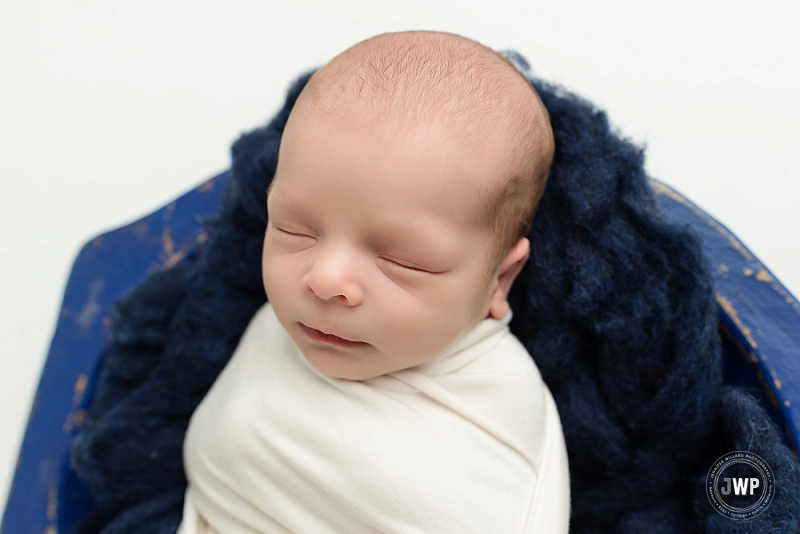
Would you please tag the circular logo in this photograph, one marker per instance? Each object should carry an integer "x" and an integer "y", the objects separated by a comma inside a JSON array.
[{"x": 740, "y": 485}]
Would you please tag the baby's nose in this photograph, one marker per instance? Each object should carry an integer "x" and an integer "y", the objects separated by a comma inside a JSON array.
[{"x": 334, "y": 276}]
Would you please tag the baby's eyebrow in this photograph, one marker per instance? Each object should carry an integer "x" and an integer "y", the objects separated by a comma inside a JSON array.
[
  {"x": 422, "y": 246},
  {"x": 271, "y": 185},
  {"x": 280, "y": 200}
]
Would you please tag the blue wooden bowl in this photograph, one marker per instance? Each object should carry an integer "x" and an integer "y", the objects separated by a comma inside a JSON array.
[{"x": 759, "y": 319}]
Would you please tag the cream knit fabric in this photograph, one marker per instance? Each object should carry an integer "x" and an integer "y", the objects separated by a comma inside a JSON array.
[{"x": 469, "y": 442}]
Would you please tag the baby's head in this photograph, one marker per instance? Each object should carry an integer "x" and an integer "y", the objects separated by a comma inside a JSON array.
[{"x": 408, "y": 173}]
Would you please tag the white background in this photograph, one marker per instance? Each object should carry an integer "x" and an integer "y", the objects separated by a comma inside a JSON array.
[{"x": 111, "y": 109}]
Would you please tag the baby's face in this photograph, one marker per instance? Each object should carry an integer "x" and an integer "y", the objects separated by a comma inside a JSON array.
[{"x": 373, "y": 260}]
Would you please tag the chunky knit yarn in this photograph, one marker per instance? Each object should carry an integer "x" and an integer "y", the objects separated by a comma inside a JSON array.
[{"x": 615, "y": 305}]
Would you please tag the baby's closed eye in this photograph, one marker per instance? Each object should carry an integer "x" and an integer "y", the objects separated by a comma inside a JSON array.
[
  {"x": 293, "y": 233},
  {"x": 407, "y": 265},
  {"x": 289, "y": 238}
]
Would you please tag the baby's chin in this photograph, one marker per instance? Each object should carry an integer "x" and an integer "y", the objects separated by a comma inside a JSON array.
[
  {"x": 341, "y": 364},
  {"x": 355, "y": 366}
]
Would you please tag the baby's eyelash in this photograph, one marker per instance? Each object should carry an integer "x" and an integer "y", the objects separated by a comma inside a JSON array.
[
  {"x": 287, "y": 232},
  {"x": 407, "y": 267}
]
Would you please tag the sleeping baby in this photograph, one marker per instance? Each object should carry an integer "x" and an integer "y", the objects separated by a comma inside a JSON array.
[{"x": 380, "y": 389}]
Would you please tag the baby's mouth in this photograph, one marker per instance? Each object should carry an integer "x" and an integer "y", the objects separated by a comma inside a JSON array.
[{"x": 320, "y": 336}]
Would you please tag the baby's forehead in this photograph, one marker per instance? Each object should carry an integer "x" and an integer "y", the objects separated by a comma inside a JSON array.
[
  {"x": 408, "y": 157},
  {"x": 442, "y": 136}
]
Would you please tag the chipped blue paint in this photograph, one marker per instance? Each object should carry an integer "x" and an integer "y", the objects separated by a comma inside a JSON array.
[
  {"x": 91, "y": 308},
  {"x": 760, "y": 319},
  {"x": 45, "y": 496}
]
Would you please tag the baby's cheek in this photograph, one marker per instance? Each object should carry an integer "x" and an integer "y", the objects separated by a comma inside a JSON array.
[
  {"x": 421, "y": 330},
  {"x": 273, "y": 273}
]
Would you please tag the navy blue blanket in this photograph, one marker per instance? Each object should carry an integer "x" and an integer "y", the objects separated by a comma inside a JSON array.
[{"x": 615, "y": 305}]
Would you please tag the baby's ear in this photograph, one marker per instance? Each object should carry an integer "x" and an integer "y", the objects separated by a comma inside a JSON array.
[{"x": 506, "y": 274}]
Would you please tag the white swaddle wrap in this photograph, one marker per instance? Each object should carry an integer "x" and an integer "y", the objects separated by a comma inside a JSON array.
[{"x": 469, "y": 442}]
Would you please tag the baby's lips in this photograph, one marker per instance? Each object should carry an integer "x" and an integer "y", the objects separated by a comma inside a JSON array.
[{"x": 320, "y": 335}]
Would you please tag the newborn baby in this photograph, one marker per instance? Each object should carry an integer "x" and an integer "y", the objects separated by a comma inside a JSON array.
[{"x": 380, "y": 389}]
